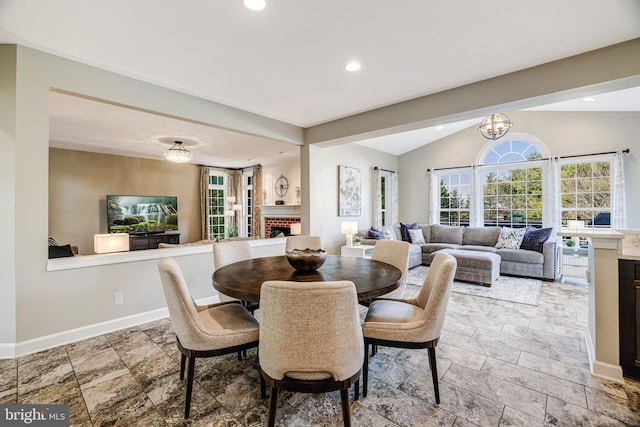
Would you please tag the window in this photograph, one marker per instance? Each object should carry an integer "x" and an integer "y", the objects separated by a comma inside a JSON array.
[
  {"x": 217, "y": 199},
  {"x": 585, "y": 192},
  {"x": 512, "y": 197},
  {"x": 386, "y": 189},
  {"x": 247, "y": 211},
  {"x": 455, "y": 198}
]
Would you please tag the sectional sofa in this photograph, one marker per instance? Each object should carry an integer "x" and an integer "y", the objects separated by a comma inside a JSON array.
[{"x": 542, "y": 264}]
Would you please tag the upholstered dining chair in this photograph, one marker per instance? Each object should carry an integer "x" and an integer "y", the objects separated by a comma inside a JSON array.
[
  {"x": 396, "y": 253},
  {"x": 310, "y": 347},
  {"x": 304, "y": 242},
  {"x": 412, "y": 323},
  {"x": 203, "y": 331},
  {"x": 225, "y": 253}
]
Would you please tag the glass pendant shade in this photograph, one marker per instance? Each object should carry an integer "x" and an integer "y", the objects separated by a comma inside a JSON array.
[
  {"x": 178, "y": 153},
  {"x": 495, "y": 126}
]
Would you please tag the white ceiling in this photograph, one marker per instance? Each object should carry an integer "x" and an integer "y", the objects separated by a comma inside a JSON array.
[{"x": 287, "y": 61}]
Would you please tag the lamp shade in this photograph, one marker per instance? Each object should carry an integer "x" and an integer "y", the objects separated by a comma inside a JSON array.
[
  {"x": 106, "y": 243},
  {"x": 575, "y": 224},
  {"x": 295, "y": 228},
  {"x": 349, "y": 227}
]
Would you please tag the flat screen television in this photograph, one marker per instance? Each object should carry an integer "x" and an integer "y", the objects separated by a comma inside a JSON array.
[{"x": 142, "y": 214}]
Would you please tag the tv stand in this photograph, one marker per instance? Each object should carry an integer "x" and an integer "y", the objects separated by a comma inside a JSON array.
[{"x": 139, "y": 242}]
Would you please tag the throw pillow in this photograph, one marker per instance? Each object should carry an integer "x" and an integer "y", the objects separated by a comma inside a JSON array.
[
  {"x": 388, "y": 233},
  {"x": 374, "y": 233},
  {"x": 534, "y": 238},
  {"x": 404, "y": 231},
  {"x": 60, "y": 251},
  {"x": 510, "y": 238},
  {"x": 416, "y": 236},
  {"x": 52, "y": 242}
]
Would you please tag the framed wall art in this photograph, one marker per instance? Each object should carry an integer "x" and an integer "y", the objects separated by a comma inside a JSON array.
[{"x": 349, "y": 191}]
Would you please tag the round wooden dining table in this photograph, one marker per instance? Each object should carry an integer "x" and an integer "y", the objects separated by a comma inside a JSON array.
[{"x": 244, "y": 279}]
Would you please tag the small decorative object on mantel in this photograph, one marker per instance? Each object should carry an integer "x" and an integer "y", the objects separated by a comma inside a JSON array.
[
  {"x": 279, "y": 202},
  {"x": 306, "y": 259}
]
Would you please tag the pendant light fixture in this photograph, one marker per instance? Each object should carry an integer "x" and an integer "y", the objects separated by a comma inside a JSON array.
[
  {"x": 178, "y": 153},
  {"x": 495, "y": 126}
]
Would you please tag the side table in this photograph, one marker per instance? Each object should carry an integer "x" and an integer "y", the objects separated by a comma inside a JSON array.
[{"x": 362, "y": 251}]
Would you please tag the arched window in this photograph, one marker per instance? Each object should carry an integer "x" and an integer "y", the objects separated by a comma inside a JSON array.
[{"x": 511, "y": 175}]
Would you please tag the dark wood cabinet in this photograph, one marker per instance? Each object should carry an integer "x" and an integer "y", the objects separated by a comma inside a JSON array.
[
  {"x": 629, "y": 306},
  {"x": 150, "y": 241}
]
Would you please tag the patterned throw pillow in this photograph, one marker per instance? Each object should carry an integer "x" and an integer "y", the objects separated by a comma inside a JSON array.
[
  {"x": 52, "y": 242},
  {"x": 416, "y": 236},
  {"x": 388, "y": 233},
  {"x": 510, "y": 238},
  {"x": 534, "y": 238}
]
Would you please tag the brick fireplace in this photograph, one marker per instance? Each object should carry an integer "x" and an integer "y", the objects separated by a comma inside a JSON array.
[{"x": 278, "y": 217}]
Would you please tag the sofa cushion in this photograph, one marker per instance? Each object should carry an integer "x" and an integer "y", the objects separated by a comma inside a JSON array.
[
  {"x": 510, "y": 238},
  {"x": 404, "y": 231},
  {"x": 426, "y": 232},
  {"x": 446, "y": 234},
  {"x": 416, "y": 236},
  {"x": 481, "y": 236},
  {"x": 428, "y": 248},
  {"x": 491, "y": 249},
  {"x": 521, "y": 255},
  {"x": 534, "y": 238}
]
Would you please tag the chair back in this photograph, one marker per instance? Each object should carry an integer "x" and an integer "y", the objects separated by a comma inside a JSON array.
[
  {"x": 396, "y": 253},
  {"x": 225, "y": 253},
  {"x": 304, "y": 242},
  {"x": 182, "y": 309},
  {"x": 434, "y": 295},
  {"x": 310, "y": 328}
]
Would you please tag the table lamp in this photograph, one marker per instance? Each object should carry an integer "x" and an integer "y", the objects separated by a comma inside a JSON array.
[
  {"x": 107, "y": 243},
  {"x": 349, "y": 228}
]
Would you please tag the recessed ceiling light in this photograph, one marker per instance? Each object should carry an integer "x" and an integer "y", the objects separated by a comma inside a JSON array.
[
  {"x": 353, "y": 66},
  {"x": 588, "y": 99},
  {"x": 255, "y": 4},
  {"x": 440, "y": 127}
]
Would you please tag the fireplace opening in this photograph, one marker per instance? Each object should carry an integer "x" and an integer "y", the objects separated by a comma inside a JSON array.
[{"x": 275, "y": 231}]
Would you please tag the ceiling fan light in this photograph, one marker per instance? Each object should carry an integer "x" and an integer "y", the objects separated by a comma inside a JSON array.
[
  {"x": 178, "y": 153},
  {"x": 495, "y": 126}
]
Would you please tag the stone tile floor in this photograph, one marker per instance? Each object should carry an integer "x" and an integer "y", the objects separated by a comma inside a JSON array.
[{"x": 500, "y": 364}]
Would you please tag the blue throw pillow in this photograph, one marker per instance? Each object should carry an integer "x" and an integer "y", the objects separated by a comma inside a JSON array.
[
  {"x": 374, "y": 233},
  {"x": 534, "y": 238},
  {"x": 404, "y": 231}
]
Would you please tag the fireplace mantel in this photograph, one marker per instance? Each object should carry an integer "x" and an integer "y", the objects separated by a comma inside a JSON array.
[{"x": 280, "y": 211}]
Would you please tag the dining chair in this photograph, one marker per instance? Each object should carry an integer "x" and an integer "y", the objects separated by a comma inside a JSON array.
[
  {"x": 304, "y": 242},
  {"x": 310, "y": 347},
  {"x": 225, "y": 253},
  {"x": 396, "y": 253},
  {"x": 203, "y": 331},
  {"x": 412, "y": 323}
]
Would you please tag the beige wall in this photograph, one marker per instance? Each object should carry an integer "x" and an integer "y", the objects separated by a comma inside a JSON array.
[
  {"x": 563, "y": 133},
  {"x": 323, "y": 168},
  {"x": 79, "y": 182}
]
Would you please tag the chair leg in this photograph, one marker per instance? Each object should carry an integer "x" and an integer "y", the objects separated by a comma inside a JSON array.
[
  {"x": 190, "y": 372},
  {"x": 240, "y": 356},
  {"x": 263, "y": 388},
  {"x": 434, "y": 372},
  {"x": 346, "y": 413},
  {"x": 273, "y": 403},
  {"x": 356, "y": 390},
  {"x": 365, "y": 370},
  {"x": 183, "y": 361}
]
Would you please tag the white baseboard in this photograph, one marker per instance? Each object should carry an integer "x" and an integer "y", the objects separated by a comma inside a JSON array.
[
  {"x": 10, "y": 350},
  {"x": 602, "y": 369}
]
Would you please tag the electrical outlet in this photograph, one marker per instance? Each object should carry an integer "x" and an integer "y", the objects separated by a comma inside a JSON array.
[{"x": 118, "y": 298}]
